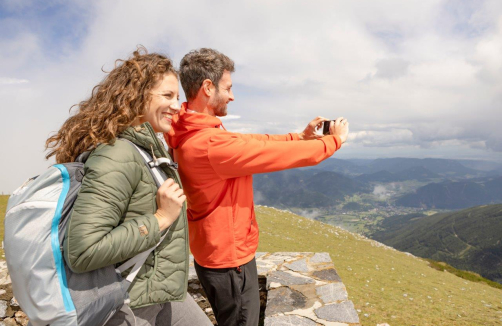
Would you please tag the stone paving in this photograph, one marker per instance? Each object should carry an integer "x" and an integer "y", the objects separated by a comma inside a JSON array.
[{"x": 296, "y": 288}]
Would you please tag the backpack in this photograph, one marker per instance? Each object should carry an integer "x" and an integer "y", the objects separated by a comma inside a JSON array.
[{"x": 35, "y": 225}]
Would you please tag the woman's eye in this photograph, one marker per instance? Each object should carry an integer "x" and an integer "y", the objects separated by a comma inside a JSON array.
[{"x": 168, "y": 95}]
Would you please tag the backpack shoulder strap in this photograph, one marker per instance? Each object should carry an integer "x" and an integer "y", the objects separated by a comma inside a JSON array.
[{"x": 159, "y": 177}]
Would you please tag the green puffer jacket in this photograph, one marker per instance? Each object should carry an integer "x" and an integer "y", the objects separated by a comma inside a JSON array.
[{"x": 116, "y": 202}]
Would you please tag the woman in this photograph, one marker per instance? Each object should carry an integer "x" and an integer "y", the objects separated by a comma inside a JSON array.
[{"x": 119, "y": 212}]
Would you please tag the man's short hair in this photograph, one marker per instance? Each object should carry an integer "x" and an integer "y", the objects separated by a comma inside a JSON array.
[{"x": 199, "y": 65}]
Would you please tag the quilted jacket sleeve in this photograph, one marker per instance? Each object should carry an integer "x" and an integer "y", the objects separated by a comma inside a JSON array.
[{"x": 96, "y": 237}]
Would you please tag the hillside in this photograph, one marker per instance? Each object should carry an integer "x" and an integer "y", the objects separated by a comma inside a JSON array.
[
  {"x": 385, "y": 285},
  {"x": 455, "y": 195},
  {"x": 418, "y": 173},
  {"x": 469, "y": 239},
  {"x": 304, "y": 188}
]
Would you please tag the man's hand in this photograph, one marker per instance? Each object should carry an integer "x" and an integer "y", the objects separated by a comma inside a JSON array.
[
  {"x": 310, "y": 131},
  {"x": 170, "y": 198},
  {"x": 340, "y": 128}
]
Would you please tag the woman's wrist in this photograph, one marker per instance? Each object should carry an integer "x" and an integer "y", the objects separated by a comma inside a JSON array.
[{"x": 163, "y": 223}]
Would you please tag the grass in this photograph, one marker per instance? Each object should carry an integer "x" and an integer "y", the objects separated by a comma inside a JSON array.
[
  {"x": 386, "y": 286},
  {"x": 471, "y": 276}
]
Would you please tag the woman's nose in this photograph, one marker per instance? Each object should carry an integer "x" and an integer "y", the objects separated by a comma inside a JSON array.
[{"x": 174, "y": 107}]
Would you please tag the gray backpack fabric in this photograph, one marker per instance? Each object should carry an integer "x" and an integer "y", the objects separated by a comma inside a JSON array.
[{"x": 46, "y": 289}]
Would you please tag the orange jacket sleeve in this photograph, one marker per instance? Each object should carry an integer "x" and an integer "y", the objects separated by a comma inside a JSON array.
[
  {"x": 286, "y": 137},
  {"x": 234, "y": 155}
]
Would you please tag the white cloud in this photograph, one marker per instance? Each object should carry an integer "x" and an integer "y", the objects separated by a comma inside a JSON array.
[
  {"x": 230, "y": 117},
  {"x": 432, "y": 74},
  {"x": 12, "y": 81}
]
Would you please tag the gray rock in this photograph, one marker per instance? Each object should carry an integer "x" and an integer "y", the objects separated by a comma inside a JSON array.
[
  {"x": 288, "y": 321},
  {"x": 321, "y": 257},
  {"x": 332, "y": 292},
  {"x": 3, "y": 308},
  {"x": 283, "y": 300},
  {"x": 329, "y": 274},
  {"x": 192, "y": 275},
  {"x": 10, "y": 322},
  {"x": 340, "y": 312},
  {"x": 14, "y": 303},
  {"x": 21, "y": 318},
  {"x": 259, "y": 254},
  {"x": 263, "y": 270},
  {"x": 298, "y": 265},
  {"x": 285, "y": 278}
]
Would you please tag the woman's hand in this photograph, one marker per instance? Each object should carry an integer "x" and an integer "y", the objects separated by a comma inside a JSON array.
[
  {"x": 310, "y": 131},
  {"x": 340, "y": 128},
  {"x": 170, "y": 198}
]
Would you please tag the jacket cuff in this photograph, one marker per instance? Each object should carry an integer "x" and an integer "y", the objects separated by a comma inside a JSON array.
[
  {"x": 294, "y": 136},
  {"x": 338, "y": 142},
  {"x": 153, "y": 229}
]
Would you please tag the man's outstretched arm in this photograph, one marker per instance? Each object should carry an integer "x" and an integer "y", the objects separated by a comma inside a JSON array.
[
  {"x": 233, "y": 156},
  {"x": 308, "y": 133}
]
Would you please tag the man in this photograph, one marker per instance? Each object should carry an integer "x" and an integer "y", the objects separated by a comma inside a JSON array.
[{"x": 216, "y": 168}]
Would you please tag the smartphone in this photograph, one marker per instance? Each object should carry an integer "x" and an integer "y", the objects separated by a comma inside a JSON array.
[{"x": 325, "y": 127}]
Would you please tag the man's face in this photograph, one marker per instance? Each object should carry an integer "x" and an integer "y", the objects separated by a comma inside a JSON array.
[{"x": 218, "y": 102}]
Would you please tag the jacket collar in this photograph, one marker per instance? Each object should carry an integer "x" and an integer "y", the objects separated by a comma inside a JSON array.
[
  {"x": 144, "y": 136},
  {"x": 186, "y": 122}
]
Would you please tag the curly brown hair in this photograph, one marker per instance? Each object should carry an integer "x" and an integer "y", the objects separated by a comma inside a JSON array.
[{"x": 117, "y": 102}]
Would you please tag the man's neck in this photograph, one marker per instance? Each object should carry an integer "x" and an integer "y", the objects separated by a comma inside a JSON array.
[{"x": 199, "y": 106}]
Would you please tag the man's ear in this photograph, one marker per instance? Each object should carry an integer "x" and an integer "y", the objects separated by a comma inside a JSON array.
[{"x": 207, "y": 87}]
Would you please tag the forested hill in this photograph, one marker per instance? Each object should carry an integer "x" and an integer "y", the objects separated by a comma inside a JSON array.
[{"x": 469, "y": 239}]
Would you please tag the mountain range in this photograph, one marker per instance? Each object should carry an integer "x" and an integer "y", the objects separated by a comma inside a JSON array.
[
  {"x": 455, "y": 195},
  {"x": 435, "y": 183},
  {"x": 442, "y": 167},
  {"x": 304, "y": 188}
]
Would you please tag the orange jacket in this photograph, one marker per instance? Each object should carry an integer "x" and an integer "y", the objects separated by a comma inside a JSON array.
[{"x": 216, "y": 168}]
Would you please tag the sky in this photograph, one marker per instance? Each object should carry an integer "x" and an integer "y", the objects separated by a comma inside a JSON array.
[{"x": 415, "y": 78}]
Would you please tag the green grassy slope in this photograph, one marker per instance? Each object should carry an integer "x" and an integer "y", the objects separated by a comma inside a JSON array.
[
  {"x": 385, "y": 285},
  {"x": 469, "y": 239}
]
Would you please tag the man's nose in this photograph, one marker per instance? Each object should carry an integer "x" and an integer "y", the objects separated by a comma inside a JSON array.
[{"x": 231, "y": 97}]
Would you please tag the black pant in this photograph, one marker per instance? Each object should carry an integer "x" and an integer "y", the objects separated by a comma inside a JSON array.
[{"x": 233, "y": 293}]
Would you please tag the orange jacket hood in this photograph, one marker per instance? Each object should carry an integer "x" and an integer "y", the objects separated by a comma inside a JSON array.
[{"x": 186, "y": 122}]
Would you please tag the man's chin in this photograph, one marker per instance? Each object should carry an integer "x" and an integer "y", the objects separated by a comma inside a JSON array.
[{"x": 221, "y": 112}]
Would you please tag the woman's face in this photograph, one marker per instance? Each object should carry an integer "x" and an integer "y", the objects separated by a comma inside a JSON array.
[{"x": 163, "y": 104}]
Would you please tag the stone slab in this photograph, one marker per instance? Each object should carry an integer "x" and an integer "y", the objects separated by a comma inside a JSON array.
[
  {"x": 284, "y": 299},
  {"x": 298, "y": 265},
  {"x": 343, "y": 312},
  {"x": 285, "y": 278},
  {"x": 320, "y": 257},
  {"x": 329, "y": 274},
  {"x": 289, "y": 321},
  {"x": 332, "y": 292}
]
